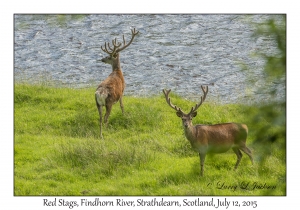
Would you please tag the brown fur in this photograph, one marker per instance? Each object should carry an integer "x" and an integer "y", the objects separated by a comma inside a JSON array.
[
  {"x": 218, "y": 138},
  {"x": 111, "y": 90},
  {"x": 115, "y": 85}
]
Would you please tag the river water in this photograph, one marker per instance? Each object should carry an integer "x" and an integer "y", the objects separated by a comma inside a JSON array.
[{"x": 178, "y": 52}]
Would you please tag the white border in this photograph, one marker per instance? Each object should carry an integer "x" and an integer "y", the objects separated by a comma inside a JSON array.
[{"x": 9, "y": 8}]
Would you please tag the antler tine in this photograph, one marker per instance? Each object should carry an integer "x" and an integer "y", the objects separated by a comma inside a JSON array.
[
  {"x": 116, "y": 46},
  {"x": 105, "y": 48},
  {"x": 168, "y": 99},
  {"x": 109, "y": 47},
  {"x": 124, "y": 42},
  {"x": 115, "y": 43},
  {"x": 133, "y": 33},
  {"x": 205, "y": 91}
]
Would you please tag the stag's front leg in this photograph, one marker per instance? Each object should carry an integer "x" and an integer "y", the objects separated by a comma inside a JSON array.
[
  {"x": 121, "y": 105},
  {"x": 202, "y": 159}
]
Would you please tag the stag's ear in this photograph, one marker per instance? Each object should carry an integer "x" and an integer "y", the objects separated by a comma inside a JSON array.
[
  {"x": 194, "y": 114},
  {"x": 179, "y": 114}
]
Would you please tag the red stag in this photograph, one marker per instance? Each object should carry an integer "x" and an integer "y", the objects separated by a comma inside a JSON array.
[
  {"x": 111, "y": 89},
  {"x": 217, "y": 138}
]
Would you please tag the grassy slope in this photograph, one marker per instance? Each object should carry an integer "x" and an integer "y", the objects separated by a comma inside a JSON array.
[{"x": 58, "y": 150}]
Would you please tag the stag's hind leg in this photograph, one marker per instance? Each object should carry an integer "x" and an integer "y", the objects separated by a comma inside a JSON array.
[
  {"x": 239, "y": 156},
  {"x": 100, "y": 119},
  {"x": 245, "y": 149},
  {"x": 100, "y": 97},
  {"x": 121, "y": 105},
  {"x": 108, "y": 110}
]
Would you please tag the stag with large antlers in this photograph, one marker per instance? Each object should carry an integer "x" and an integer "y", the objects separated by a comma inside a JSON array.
[
  {"x": 217, "y": 138},
  {"x": 111, "y": 89}
]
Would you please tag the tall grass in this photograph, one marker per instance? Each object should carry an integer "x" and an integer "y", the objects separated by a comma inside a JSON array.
[{"x": 58, "y": 150}]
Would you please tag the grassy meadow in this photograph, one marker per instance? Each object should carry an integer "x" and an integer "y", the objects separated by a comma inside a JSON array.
[{"x": 58, "y": 150}]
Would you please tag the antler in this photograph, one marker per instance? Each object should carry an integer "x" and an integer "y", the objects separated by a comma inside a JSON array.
[
  {"x": 166, "y": 92},
  {"x": 117, "y": 48},
  {"x": 112, "y": 51},
  {"x": 205, "y": 91},
  {"x": 133, "y": 33}
]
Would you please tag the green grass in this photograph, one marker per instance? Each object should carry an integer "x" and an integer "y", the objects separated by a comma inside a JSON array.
[{"x": 58, "y": 150}]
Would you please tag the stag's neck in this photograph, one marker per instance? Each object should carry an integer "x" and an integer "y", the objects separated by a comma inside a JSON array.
[
  {"x": 190, "y": 132},
  {"x": 116, "y": 66}
]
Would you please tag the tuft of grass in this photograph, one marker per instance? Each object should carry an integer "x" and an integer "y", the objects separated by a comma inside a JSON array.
[{"x": 58, "y": 150}]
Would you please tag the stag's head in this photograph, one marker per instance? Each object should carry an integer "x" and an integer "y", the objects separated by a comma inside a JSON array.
[
  {"x": 114, "y": 50},
  {"x": 111, "y": 59},
  {"x": 186, "y": 118}
]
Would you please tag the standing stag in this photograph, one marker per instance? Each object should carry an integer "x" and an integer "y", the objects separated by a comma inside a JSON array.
[
  {"x": 111, "y": 89},
  {"x": 217, "y": 138}
]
